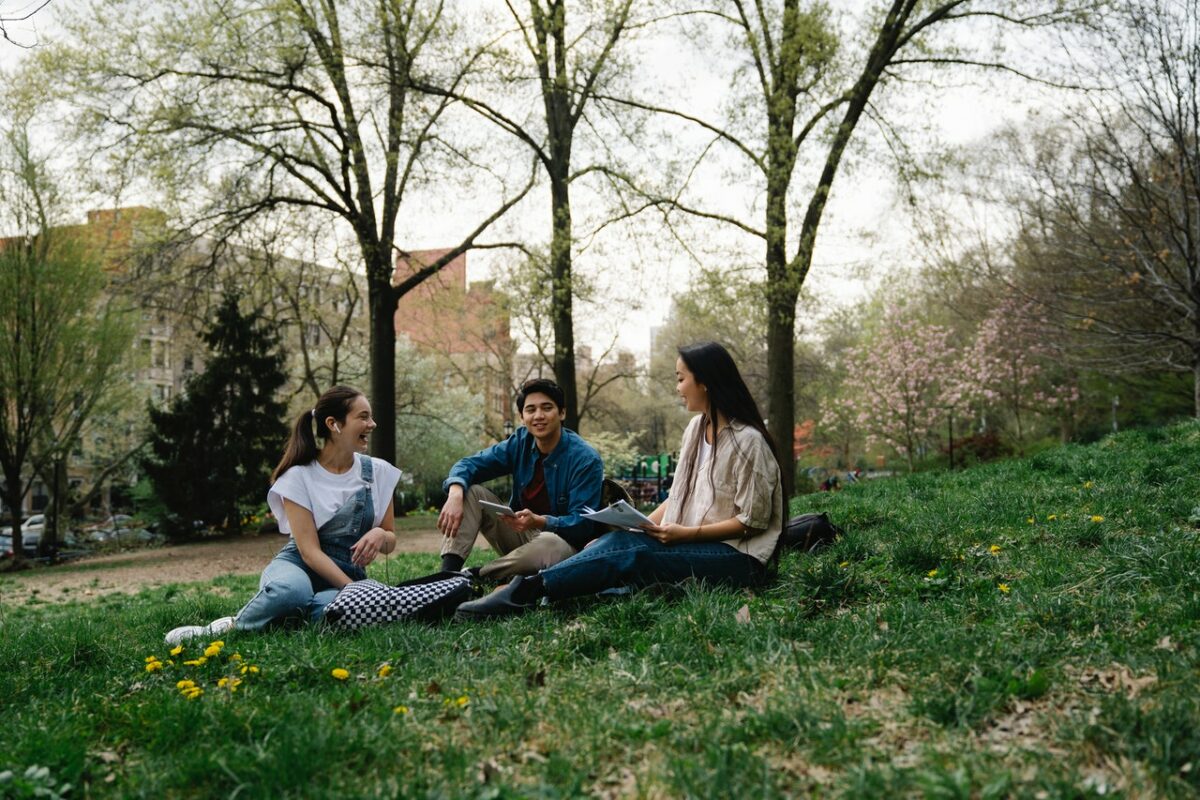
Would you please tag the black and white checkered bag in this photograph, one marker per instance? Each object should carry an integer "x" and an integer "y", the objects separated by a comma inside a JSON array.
[{"x": 369, "y": 602}]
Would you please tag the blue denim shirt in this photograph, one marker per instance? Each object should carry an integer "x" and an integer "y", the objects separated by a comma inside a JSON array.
[{"x": 574, "y": 474}]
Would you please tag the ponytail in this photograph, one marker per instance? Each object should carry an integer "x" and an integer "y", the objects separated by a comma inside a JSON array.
[{"x": 302, "y": 444}]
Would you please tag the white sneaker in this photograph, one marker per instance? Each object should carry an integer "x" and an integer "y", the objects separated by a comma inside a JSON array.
[
  {"x": 185, "y": 632},
  {"x": 219, "y": 626}
]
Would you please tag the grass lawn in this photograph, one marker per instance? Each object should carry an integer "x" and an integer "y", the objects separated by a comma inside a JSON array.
[{"x": 1024, "y": 629}]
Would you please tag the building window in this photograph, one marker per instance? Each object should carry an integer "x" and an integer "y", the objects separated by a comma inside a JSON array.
[
  {"x": 189, "y": 364},
  {"x": 160, "y": 355}
]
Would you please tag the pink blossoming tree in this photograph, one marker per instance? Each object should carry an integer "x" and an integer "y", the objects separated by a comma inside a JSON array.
[
  {"x": 901, "y": 382},
  {"x": 1009, "y": 367}
]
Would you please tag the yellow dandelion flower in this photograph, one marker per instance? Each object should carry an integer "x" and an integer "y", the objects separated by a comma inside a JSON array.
[
  {"x": 1052, "y": 517},
  {"x": 1087, "y": 484},
  {"x": 340, "y": 674},
  {"x": 151, "y": 658},
  {"x": 400, "y": 710},
  {"x": 221, "y": 683},
  {"x": 995, "y": 549},
  {"x": 234, "y": 683},
  {"x": 931, "y": 574},
  {"x": 244, "y": 670},
  {"x": 192, "y": 694},
  {"x": 185, "y": 684},
  {"x": 385, "y": 670},
  {"x": 1030, "y": 520},
  {"x": 462, "y": 701},
  {"x": 253, "y": 670},
  {"x": 219, "y": 643},
  {"x": 1003, "y": 587},
  {"x": 154, "y": 666},
  {"x": 212, "y": 651},
  {"x": 236, "y": 657},
  {"x": 844, "y": 564},
  {"x": 177, "y": 649},
  {"x": 1097, "y": 518}
]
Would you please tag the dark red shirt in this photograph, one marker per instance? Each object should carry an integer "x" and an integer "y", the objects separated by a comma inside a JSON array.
[{"x": 534, "y": 496}]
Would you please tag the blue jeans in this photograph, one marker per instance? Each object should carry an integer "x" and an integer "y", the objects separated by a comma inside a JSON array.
[
  {"x": 285, "y": 589},
  {"x": 624, "y": 558}
]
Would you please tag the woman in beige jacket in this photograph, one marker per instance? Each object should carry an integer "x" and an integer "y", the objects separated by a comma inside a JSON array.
[{"x": 721, "y": 522}]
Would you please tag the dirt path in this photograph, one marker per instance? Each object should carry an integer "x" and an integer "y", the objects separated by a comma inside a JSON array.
[{"x": 134, "y": 571}]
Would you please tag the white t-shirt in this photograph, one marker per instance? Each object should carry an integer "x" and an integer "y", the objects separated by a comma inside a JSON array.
[{"x": 323, "y": 492}]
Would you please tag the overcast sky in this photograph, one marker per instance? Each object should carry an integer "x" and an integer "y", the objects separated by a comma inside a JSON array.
[{"x": 865, "y": 235}]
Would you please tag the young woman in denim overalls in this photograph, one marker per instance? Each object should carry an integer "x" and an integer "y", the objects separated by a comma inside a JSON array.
[{"x": 336, "y": 503}]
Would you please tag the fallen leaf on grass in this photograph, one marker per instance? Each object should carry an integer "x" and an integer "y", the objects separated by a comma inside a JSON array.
[
  {"x": 1165, "y": 643},
  {"x": 433, "y": 687},
  {"x": 743, "y": 615},
  {"x": 107, "y": 756},
  {"x": 534, "y": 756},
  {"x": 1116, "y": 678}
]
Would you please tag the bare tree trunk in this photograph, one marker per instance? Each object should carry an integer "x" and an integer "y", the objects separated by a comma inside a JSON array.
[
  {"x": 563, "y": 291},
  {"x": 781, "y": 395},
  {"x": 1196, "y": 386},
  {"x": 383, "y": 371},
  {"x": 48, "y": 545},
  {"x": 12, "y": 498}
]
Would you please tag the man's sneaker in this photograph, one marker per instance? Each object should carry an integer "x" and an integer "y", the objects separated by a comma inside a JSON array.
[{"x": 185, "y": 632}]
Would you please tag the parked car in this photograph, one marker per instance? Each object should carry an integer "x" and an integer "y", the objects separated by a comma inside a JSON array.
[
  {"x": 120, "y": 528},
  {"x": 31, "y": 532},
  {"x": 6, "y": 546}
]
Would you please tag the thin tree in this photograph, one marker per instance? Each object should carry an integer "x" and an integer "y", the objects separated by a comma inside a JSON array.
[
  {"x": 263, "y": 104},
  {"x": 62, "y": 342},
  {"x": 809, "y": 93},
  {"x": 1109, "y": 245},
  {"x": 571, "y": 65}
]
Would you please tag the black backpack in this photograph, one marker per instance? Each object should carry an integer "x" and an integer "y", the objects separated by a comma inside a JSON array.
[{"x": 808, "y": 533}]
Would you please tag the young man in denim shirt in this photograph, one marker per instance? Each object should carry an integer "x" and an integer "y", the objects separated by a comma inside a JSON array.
[{"x": 555, "y": 475}]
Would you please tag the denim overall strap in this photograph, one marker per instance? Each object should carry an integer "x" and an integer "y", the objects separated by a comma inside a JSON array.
[
  {"x": 344, "y": 528},
  {"x": 348, "y": 525}
]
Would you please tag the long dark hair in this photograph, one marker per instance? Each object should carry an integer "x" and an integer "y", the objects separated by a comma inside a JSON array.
[
  {"x": 713, "y": 367},
  {"x": 302, "y": 444}
]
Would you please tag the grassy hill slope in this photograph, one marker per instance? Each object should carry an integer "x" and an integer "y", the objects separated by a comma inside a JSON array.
[{"x": 1027, "y": 628}]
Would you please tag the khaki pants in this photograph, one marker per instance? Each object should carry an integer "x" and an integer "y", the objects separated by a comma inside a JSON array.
[{"x": 521, "y": 553}]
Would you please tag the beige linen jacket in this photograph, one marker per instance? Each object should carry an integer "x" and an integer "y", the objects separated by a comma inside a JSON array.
[{"x": 740, "y": 479}]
